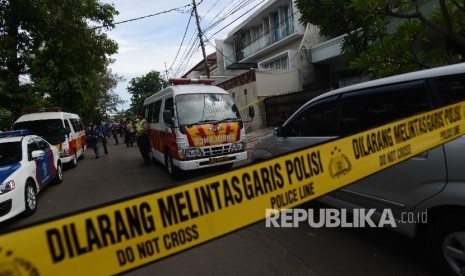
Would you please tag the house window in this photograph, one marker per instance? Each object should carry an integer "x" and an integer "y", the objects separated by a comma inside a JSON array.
[
  {"x": 277, "y": 35},
  {"x": 287, "y": 22},
  {"x": 280, "y": 63}
]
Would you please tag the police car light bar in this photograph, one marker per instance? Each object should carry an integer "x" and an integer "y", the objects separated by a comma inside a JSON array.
[
  {"x": 179, "y": 81},
  {"x": 14, "y": 133}
]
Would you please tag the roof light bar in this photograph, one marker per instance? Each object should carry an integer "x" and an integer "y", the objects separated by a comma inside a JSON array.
[
  {"x": 14, "y": 133},
  {"x": 180, "y": 81}
]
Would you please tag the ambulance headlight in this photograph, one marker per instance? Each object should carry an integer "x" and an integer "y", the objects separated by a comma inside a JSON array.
[
  {"x": 238, "y": 146},
  {"x": 7, "y": 187},
  {"x": 189, "y": 153}
]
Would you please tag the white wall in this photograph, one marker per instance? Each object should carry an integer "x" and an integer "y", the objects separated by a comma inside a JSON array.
[{"x": 275, "y": 82}]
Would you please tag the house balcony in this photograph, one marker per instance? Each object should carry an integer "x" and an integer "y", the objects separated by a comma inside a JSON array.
[
  {"x": 248, "y": 56},
  {"x": 329, "y": 49}
]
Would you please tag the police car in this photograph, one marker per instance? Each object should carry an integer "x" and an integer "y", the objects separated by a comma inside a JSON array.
[{"x": 27, "y": 164}]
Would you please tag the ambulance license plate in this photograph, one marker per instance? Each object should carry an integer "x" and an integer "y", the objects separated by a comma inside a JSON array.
[{"x": 218, "y": 159}]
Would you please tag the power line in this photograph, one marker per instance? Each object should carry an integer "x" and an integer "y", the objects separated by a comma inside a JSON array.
[
  {"x": 179, "y": 9},
  {"x": 238, "y": 18},
  {"x": 182, "y": 41}
]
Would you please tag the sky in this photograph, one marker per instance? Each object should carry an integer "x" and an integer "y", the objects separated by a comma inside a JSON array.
[{"x": 155, "y": 42}]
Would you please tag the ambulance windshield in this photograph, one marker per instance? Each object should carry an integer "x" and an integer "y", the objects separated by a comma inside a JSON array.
[
  {"x": 205, "y": 108},
  {"x": 51, "y": 130}
]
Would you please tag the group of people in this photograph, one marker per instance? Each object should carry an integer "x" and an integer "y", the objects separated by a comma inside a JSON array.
[{"x": 137, "y": 133}]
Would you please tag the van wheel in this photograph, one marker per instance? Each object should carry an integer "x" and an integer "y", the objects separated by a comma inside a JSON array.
[
  {"x": 59, "y": 177},
  {"x": 172, "y": 170},
  {"x": 446, "y": 243},
  {"x": 74, "y": 161},
  {"x": 30, "y": 198}
]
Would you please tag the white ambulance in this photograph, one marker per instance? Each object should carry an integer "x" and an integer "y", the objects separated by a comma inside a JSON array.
[
  {"x": 194, "y": 125},
  {"x": 63, "y": 130}
]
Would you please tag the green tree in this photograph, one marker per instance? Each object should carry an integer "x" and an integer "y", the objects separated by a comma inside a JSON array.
[
  {"x": 53, "y": 44},
  {"x": 392, "y": 37},
  {"x": 142, "y": 87},
  {"x": 6, "y": 119}
]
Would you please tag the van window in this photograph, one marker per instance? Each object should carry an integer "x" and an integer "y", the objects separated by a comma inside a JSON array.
[
  {"x": 156, "y": 111},
  {"x": 169, "y": 105},
  {"x": 319, "y": 119},
  {"x": 68, "y": 126},
  {"x": 150, "y": 112},
  {"x": 369, "y": 108},
  {"x": 51, "y": 130},
  {"x": 451, "y": 89}
]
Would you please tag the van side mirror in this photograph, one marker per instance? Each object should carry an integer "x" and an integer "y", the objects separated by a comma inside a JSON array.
[
  {"x": 281, "y": 131},
  {"x": 251, "y": 112},
  {"x": 168, "y": 117},
  {"x": 67, "y": 130}
]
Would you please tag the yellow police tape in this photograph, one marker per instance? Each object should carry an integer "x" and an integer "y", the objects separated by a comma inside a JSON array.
[{"x": 132, "y": 233}]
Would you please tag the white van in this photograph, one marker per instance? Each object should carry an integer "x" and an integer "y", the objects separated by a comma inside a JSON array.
[
  {"x": 426, "y": 193},
  {"x": 194, "y": 125},
  {"x": 63, "y": 130}
]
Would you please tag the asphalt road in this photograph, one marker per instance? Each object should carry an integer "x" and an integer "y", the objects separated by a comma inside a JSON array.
[{"x": 254, "y": 250}]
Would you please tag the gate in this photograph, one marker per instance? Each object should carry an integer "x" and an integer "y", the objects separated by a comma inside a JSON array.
[{"x": 279, "y": 108}]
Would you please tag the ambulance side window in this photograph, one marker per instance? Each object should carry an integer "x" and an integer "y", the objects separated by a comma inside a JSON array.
[
  {"x": 169, "y": 105},
  {"x": 68, "y": 126},
  {"x": 150, "y": 113},
  {"x": 156, "y": 111}
]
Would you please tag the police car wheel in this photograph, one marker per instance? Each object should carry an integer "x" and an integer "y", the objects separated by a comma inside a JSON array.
[
  {"x": 30, "y": 198},
  {"x": 59, "y": 177}
]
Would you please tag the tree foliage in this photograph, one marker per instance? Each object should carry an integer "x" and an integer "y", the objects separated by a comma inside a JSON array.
[
  {"x": 142, "y": 87},
  {"x": 391, "y": 37},
  {"x": 51, "y": 55}
]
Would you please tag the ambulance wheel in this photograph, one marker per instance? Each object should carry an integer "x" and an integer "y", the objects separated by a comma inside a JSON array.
[
  {"x": 74, "y": 161},
  {"x": 172, "y": 170},
  {"x": 30, "y": 198},
  {"x": 59, "y": 177}
]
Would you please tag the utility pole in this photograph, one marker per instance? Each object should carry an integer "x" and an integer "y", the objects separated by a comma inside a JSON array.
[{"x": 201, "y": 39}]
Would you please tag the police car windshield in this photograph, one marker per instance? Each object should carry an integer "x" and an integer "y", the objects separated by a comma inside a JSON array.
[
  {"x": 10, "y": 153},
  {"x": 51, "y": 130},
  {"x": 205, "y": 108}
]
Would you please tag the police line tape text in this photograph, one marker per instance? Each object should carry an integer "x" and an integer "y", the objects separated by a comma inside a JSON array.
[
  {"x": 373, "y": 142},
  {"x": 138, "y": 220}
]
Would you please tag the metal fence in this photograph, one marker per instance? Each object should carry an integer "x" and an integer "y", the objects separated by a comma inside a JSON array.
[{"x": 279, "y": 108}]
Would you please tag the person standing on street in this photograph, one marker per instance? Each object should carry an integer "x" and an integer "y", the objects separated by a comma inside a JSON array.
[
  {"x": 103, "y": 137},
  {"x": 93, "y": 136},
  {"x": 142, "y": 127}
]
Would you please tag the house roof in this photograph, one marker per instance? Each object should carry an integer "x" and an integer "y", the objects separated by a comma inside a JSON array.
[{"x": 211, "y": 60}]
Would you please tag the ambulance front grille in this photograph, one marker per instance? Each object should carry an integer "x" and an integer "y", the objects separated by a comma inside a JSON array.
[{"x": 215, "y": 150}]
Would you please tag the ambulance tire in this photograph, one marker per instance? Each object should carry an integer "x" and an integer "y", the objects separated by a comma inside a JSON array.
[
  {"x": 74, "y": 161},
  {"x": 172, "y": 170},
  {"x": 59, "y": 177},
  {"x": 30, "y": 198}
]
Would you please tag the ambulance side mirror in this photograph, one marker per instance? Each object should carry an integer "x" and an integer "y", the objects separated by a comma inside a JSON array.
[
  {"x": 168, "y": 117},
  {"x": 251, "y": 112}
]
